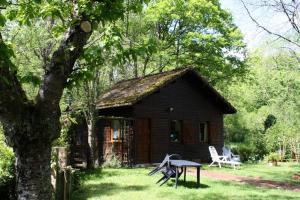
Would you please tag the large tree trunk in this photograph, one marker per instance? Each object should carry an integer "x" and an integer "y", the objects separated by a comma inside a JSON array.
[
  {"x": 31, "y": 126},
  {"x": 33, "y": 171},
  {"x": 31, "y": 135}
]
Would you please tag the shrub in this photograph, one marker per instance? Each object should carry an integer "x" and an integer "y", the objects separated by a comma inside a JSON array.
[
  {"x": 259, "y": 146},
  {"x": 246, "y": 152},
  {"x": 76, "y": 179},
  {"x": 7, "y": 174},
  {"x": 112, "y": 160},
  {"x": 251, "y": 151},
  {"x": 273, "y": 157}
]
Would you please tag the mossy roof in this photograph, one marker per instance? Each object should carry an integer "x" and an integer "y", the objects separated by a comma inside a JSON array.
[{"x": 129, "y": 92}]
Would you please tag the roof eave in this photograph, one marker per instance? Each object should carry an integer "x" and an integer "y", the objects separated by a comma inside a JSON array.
[{"x": 113, "y": 106}]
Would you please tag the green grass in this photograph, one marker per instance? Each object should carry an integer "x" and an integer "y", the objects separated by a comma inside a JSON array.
[
  {"x": 134, "y": 184},
  {"x": 282, "y": 173}
]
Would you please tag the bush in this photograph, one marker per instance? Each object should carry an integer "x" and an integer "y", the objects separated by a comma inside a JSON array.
[
  {"x": 112, "y": 160},
  {"x": 76, "y": 180},
  {"x": 246, "y": 152},
  {"x": 7, "y": 173},
  {"x": 253, "y": 150},
  {"x": 273, "y": 157},
  {"x": 259, "y": 147}
]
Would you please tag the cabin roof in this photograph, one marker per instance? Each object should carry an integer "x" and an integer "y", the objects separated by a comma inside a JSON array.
[{"x": 128, "y": 92}]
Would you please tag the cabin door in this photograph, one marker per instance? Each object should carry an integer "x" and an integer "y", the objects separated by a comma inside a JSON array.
[{"x": 142, "y": 140}]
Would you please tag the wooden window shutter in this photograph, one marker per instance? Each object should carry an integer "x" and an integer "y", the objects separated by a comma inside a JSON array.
[
  {"x": 107, "y": 130},
  {"x": 189, "y": 132},
  {"x": 214, "y": 135}
]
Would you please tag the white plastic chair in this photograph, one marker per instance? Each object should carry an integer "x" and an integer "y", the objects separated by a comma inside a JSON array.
[
  {"x": 230, "y": 156},
  {"x": 221, "y": 159}
]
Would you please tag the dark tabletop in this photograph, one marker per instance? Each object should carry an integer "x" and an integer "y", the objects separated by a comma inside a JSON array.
[{"x": 184, "y": 163}]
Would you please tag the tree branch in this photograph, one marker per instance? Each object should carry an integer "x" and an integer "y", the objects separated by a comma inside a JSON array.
[
  {"x": 12, "y": 96},
  {"x": 61, "y": 65},
  {"x": 291, "y": 18},
  {"x": 265, "y": 29}
]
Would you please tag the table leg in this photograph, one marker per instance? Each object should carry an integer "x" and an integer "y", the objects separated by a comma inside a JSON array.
[
  {"x": 176, "y": 180},
  {"x": 184, "y": 174},
  {"x": 198, "y": 176}
]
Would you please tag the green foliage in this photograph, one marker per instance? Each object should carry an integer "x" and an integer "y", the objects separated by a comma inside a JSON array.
[
  {"x": 245, "y": 151},
  {"x": 7, "y": 174},
  {"x": 273, "y": 157},
  {"x": 112, "y": 160},
  {"x": 77, "y": 177},
  {"x": 196, "y": 33},
  {"x": 165, "y": 35},
  {"x": 270, "y": 121},
  {"x": 268, "y": 105}
]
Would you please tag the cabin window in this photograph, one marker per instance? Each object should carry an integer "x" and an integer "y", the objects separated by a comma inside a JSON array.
[
  {"x": 116, "y": 130},
  {"x": 203, "y": 132},
  {"x": 175, "y": 132}
]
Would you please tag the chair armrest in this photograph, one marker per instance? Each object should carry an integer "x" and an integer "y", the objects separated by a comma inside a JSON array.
[{"x": 223, "y": 158}]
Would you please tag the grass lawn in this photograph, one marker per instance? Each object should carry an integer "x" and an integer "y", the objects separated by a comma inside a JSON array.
[{"x": 134, "y": 184}]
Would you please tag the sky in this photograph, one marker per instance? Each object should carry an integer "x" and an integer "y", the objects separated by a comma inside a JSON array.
[{"x": 254, "y": 36}]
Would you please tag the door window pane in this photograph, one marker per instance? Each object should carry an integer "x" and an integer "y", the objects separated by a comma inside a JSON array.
[{"x": 175, "y": 132}]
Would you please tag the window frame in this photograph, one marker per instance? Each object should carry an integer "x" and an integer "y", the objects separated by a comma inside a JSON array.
[
  {"x": 179, "y": 137},
  {"x": 206, "y": 127},
  {"x": 112, "y": 129}
]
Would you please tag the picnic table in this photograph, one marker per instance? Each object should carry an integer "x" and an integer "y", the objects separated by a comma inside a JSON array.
[{"x": 183, "y": 164}]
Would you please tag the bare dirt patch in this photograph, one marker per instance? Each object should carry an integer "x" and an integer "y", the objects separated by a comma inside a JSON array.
[
  {"x": 296, "y": 177},
  {"x": 257, "y": 181}
]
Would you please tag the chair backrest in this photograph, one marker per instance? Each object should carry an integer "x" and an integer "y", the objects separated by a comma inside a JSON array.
[
  {"x": 213, "y": 153},
  {"x": 226, "y": 152},
  {"x": 165, "y": 161}
]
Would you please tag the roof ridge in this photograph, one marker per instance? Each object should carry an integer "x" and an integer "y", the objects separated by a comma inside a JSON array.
[
  {"x": 158, "y": 73},
  {"x": 130, "y": 91}
]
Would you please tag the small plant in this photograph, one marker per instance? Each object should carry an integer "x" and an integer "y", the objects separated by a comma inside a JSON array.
[
  {"x": 273, "y": 158},
  {"x": 7, "y": 171},
  {"x": 112, "y": 160}
]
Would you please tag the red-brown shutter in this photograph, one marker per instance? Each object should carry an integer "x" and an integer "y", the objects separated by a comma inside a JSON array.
[
  {"x": 189, "y": 132},
  {"x": 142, "y": 140},
  {"x": 214, "y": 132},
  {"x": 106, "y": 138}
]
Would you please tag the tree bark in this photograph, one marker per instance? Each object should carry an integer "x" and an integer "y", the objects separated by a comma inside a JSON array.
[
  {"x": 30, "y": 127},
  {"x": 92, "y": 145},
  {"x": 33, "y": 171}
]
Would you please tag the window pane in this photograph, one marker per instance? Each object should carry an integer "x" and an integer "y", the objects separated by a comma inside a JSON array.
[
  {"x": 175, "y": 130},
  {"x": 116, "y": 129},
  {"x": 203, "y": 133}
]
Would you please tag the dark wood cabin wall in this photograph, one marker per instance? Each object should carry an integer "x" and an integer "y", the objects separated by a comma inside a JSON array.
[
  {"x": 191, "y": 106},
  {"x": 125, "y": 112}
]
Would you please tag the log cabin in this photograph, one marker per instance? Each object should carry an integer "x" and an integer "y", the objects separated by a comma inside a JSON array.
[{"x": 142, "y": 119}]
